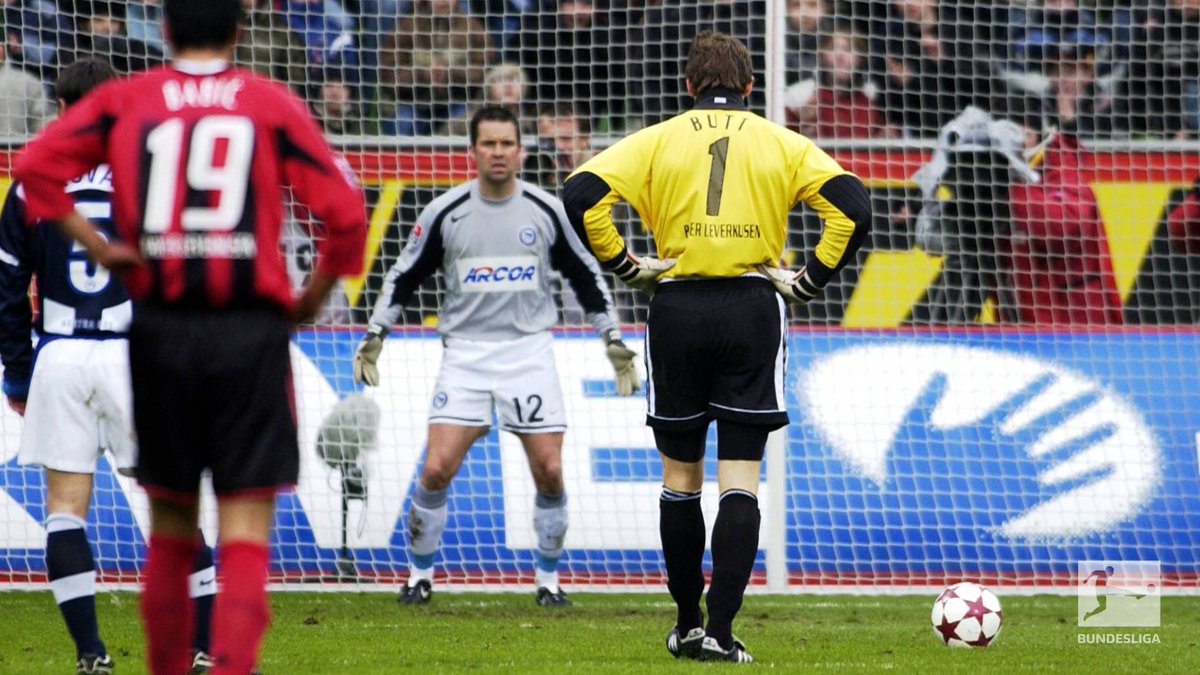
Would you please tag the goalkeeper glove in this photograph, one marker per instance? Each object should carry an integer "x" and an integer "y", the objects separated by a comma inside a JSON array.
[
  {"x": 621, "y": 358},
  {"x": 365, "y": 358},
  {"x": 641, "y": 273},
  {"x": 795, "y": 287}
]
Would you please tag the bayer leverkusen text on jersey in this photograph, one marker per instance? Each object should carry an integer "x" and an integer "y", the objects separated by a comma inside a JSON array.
[{"x": 198, "y": 154}]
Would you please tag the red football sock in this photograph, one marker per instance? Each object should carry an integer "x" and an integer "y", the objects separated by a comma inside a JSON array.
[
  {"x": 241, "y": 613},
  {"x": 166, "y": 607}
]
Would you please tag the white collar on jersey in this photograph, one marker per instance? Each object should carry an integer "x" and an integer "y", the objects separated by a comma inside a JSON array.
[{"x": 209, "y": 67}]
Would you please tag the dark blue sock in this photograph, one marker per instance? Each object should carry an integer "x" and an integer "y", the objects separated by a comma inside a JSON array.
[
  {"x": 203, "y": 588},
  {"x": 72, "y": 573}
]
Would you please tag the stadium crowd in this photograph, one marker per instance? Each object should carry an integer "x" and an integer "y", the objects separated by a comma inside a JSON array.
[
  {"x": 854, "y": 68},
  {"x": 574, "y": 69}
]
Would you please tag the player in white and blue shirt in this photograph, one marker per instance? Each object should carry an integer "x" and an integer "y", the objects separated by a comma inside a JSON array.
[
  {"x": 497, "y": 240},
  {"x": 73, "y": 389},
  {"x": 496, "y": 259}
]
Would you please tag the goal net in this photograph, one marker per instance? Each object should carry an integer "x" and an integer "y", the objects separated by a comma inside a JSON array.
[{"x": 1001, "y": 386}]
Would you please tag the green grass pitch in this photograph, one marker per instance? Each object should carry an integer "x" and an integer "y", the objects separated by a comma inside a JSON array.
[{"x": 322, "y": 633}]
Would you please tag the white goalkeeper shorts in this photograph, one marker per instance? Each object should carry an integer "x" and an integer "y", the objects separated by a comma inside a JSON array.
[
  {"x": 79, "y": 405},
  {"x": 515, "y": 378}
]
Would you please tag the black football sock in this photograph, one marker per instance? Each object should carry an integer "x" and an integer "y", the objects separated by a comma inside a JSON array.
[
  {"x": 72, "y": 572},
  {"x": 734, "y": 546},
  {"x": 681, "y": 526}
]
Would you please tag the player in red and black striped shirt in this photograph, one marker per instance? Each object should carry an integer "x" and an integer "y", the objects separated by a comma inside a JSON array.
[{"x": 199, "y": 151}]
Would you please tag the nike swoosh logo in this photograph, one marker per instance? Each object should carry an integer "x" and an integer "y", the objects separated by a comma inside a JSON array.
[
  {"x": 455, "y": 219},
  {"x": 207, "y": 583}
]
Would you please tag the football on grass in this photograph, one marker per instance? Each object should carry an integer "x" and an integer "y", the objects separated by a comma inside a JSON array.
[{"x": 966, "y": 615}]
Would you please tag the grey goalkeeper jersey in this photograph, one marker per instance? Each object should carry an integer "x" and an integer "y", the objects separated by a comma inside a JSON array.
[{"x": 496, "y": 258}]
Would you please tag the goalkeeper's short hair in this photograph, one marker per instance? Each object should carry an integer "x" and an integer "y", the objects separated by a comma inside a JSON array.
[{"x": 716, "y": 60}]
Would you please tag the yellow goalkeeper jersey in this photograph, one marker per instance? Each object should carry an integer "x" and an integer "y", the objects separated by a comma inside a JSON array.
[{"x": 714, "y": 185}]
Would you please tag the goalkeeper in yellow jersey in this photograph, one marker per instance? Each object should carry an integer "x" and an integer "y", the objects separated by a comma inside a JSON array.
[{"x": 714, "y": 185}]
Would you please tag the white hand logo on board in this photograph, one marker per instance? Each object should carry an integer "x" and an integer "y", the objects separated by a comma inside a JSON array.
[{"x": 1064, "y": 455}]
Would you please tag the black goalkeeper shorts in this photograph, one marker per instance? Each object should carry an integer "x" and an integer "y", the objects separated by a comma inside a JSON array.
[
  {"x": 212, "y": 390},
  {"x": 716, "y": 350}
]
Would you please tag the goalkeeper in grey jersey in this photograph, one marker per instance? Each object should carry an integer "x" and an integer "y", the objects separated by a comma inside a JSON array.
[{"x": 495, "y": 240}]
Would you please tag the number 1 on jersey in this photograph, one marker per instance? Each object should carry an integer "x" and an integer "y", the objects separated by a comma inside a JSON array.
[{"x": 716, "y": 176}]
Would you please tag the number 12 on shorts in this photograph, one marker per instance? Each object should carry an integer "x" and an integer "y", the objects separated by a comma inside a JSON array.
[{"x": 533, "y": 404}]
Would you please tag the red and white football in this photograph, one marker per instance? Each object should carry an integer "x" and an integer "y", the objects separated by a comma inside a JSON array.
[{"x": 966, "y": 615}]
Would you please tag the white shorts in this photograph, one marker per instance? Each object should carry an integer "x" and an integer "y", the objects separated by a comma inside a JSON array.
[
  {"x": 79, "y": 405},
  {"x": 516, "y": 378}
]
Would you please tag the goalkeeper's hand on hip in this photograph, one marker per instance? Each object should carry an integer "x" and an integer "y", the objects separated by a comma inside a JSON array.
[
  {"x": 367, "y": 356},
  {"x": 622, "y": 360},
  {"x": 795, "y": 287},
  {"x": 642, "y": 273}
]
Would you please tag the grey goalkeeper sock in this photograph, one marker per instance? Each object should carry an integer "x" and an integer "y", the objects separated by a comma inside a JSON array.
[{"x": 426, "y": 521}]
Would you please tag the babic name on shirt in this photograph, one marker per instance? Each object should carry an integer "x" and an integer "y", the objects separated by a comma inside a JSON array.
[
  {"x": 236, "y": 245},
  {"x": 722, "y": 230}
]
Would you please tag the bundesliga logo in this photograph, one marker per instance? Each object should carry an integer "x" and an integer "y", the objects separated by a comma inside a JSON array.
[{"x": 1119, "y": 593}]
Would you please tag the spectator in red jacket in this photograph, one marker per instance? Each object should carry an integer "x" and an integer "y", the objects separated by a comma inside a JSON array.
[
  {"x": 838, "y": 103},
  {"x": 1184, "y": 222},
  {"x": 1056, "y": 259},
  {"x": 1030, "y": 241}
]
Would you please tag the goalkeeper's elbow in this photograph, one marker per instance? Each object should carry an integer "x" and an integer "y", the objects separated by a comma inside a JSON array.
[
  {"x": 581, "y": 192},
  {"x": 847, "y": 194}
]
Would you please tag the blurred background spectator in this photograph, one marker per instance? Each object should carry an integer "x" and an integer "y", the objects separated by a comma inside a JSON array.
[
  {"x": 431, "y": 66},
  {"x": 806, "y": 21},
  {"x": 335, "y": 100},
  {"x": 326, "y": 30},
  {"x": 659, "y": 44},
  {"x": 143, "y": 21},
  {"x": 1028, "y": 242},
  {"x": 1037, "y": 27},
  {"x": 1184, "y": 222},
  {"x": 839, "y": 101},
  {"x": 1163, "y": 89},
  {"x": 1056, "y": 261},
  {"x": 1075, "y": 101},
  {"x": 375, "y": 20},
  {"x": 504, "y": 85},
  {"x": 1111, "y": 68},
  {"x": 930, "y": 64},
  {"x": 575, "y": 55},
  {"x": 509, "y": 21},
  {"x": 101, "y": 33},
  {"x": 24, "y": 107},
  {"x": 581, "y": 72},
  {"x": 268, "y": 46},
  {"x": 35, "y": 30},
  {"x": 563, "y": 143}
]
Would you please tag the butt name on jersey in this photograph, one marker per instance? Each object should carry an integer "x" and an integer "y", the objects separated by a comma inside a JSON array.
[
  {"x": 498, "y": 275},
  {"x": 209, "y": 92}
]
